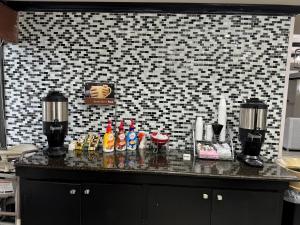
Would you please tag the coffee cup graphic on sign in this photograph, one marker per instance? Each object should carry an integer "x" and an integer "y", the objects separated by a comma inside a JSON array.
[{"x": 100, "y": 93}]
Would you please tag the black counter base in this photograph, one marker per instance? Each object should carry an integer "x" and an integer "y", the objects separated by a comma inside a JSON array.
[
  {"x": 143, "y": 188},
  {"x": 134, "y": 202},
  {"x": 113, "y": 198}
]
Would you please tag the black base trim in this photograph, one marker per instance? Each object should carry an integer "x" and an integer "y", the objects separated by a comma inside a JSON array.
[{"x": 188, "y": 8}]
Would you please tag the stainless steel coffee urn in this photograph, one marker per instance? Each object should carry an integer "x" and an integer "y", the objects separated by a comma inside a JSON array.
[
  {"x": 252, "y": 131},
  {"x": 55, "y": 122}
]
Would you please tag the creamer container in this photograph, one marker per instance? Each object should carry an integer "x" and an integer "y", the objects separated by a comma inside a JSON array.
[
  {"x": 108, "y": 139},
  {"x": 142, "y": 137},
  {"x": 131, "y": 138},
  {"x": 121, "y": 138}
]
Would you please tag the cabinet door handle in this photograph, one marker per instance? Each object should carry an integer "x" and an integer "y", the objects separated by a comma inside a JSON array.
[
  {"x": 219, "y": 197},
  {"x": 72, "y": 192},
  {"x": 205, "y": 196},
  {"x": 87, "y": 191}
]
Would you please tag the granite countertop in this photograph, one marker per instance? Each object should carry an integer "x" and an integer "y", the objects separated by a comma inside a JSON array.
[{"x": 165, "y": 163}]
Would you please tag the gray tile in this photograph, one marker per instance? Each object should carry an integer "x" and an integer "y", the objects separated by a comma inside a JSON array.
[{"x": 168, "y": 69}]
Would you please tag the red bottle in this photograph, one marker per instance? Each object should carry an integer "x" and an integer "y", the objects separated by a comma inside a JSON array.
[{"x": 121, "y": 138}]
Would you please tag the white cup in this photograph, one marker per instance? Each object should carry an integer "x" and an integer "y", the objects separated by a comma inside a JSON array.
[{"x": 208, "y": 132}]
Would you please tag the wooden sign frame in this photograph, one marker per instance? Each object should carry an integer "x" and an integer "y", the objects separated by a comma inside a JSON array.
[{"x": 99, "y": 93}]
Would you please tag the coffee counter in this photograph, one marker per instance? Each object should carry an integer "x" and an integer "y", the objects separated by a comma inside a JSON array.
[{"x": 218, "y": 192}]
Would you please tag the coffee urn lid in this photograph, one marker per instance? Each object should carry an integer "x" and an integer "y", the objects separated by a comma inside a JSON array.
[
  {"x": 55, "y": 96},
  {"x": 254, "y": 103}
]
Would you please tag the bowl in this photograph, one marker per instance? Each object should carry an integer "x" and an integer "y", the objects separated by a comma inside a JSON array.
[{"x": 159, "y": 141}]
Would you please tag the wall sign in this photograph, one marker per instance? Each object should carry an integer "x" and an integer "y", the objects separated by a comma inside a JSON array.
[{"x": 101, "y": 93}]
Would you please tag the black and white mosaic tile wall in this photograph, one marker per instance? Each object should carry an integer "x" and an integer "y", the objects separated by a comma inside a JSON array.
[{"x": 168, "y": 69}]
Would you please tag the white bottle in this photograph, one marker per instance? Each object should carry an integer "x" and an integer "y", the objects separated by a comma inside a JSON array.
[
  {"x": 199, "y": 129},
  {"x": 222, "y": 117},
  {"x": 208, "y": 132}
]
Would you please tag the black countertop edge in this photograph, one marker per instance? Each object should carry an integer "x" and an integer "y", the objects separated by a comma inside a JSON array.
[
  {"x": 147, "y": 162},
  {"x": 166, "y": 173},
  {"x": 186, "y": 8}
]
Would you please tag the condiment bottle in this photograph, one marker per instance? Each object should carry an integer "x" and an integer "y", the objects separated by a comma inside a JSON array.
[
  {"x": 142, "y": 140},
  {"x": 121, "y": 138},
  {"x": 108, "y": 139},
  {"x": 131, "y": 138}
]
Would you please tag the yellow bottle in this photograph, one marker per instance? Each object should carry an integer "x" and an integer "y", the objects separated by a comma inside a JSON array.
[{"x": 108, "y": 139}]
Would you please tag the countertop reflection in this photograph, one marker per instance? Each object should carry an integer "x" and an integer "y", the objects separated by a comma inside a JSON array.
[{"x": 164, "y": 163}]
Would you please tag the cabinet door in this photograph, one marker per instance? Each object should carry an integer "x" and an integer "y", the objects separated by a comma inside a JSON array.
[
  {"x": 178, "y": 206},
  {"x": 47, "y": 203},
  {"x": 234, "y": 207},
  {"x": 112, "y": 204}
]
